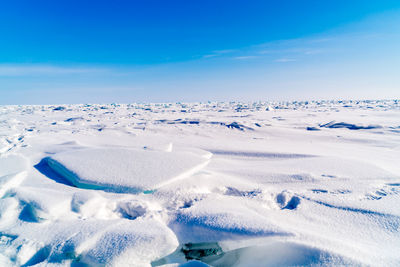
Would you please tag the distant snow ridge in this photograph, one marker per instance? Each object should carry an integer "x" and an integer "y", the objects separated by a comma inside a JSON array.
[
  {"x": 349, "y": 126},
  {"x": 124, "y": 170}
]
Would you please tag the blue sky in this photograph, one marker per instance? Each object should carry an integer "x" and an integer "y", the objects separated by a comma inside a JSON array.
[{"x": 54, "y": 52}]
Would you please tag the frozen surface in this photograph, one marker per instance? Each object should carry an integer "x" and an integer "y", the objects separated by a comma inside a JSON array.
[
  {"x": 201, "y": 184},
  {"x": 124, "y": 170}
]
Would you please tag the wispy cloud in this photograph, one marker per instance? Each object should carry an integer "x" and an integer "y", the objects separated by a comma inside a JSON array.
[
  {"x": 284, "y": 50},
  {"x": 209, "y": 56},
  {"x": 217, "y": 53},
  {"x": 226, "y": 51},
  {"x": 40, "y": 69},
  {"x": 284, "y": 60},
  {"x": 245, "y": 57},
  {"x": 314, "y": 51}
]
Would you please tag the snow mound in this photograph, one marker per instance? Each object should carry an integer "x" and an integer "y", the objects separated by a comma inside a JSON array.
[
  {"x": 134, "y": 242},
  {"x": 12, "y": 164},
  {"x": 229, "y": 217},
  {"x": 124, "y": 170},
  {"x": 280, "y": 254},
  {"x": 269, "y": 253}
]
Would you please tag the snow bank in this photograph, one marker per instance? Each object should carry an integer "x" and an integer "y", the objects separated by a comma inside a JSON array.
[{"x": 124, "y": 170}]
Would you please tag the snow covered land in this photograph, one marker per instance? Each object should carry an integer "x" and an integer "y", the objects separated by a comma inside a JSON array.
[{"x": 219, "y": 184}]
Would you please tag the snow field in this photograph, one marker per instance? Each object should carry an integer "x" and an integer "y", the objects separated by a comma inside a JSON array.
[{"x": 221, "y": 184}]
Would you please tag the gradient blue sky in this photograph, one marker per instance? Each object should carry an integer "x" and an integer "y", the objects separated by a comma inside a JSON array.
[{"x": 54, "y": 52}]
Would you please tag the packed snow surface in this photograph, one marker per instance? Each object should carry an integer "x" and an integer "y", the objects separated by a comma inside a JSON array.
[
  {"x": 201, "y": 184},
  {"x": 123, "y": 169}
]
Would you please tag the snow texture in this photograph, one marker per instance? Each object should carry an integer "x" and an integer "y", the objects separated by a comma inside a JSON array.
[
  {"x": 123, "y": 170},
  {"x": 201, "y": 184}
]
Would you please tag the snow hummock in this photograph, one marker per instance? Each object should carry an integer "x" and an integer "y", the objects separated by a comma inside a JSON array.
[{"x": 124, "y": 170}]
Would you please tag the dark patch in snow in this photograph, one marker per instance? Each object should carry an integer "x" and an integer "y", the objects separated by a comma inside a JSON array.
[
  {"x": 50, "y": 168},
  {"x": 195, "y": 253},
  {"x": 286, "y": 201},
  {"x": 293, "y": 203},
  {"x": 73, "y": 119},
  {"x": 319, "y": 191},
  {"x": 341, "y": 191},
  {"x": 190, "y": 122},
  {"x": 40, "y": 256},
  {"x": 278, "y": 118},
  {"x": 328, "y": 176},
  {"x": 200, "y": 251},
  {"x": 231, "y": 191},
  {"x": 334, "y": 125},
  {"x": 44, "y": 168},
  {"x": 131, "y": 211},
  {"x": 313, "y": 129},
  {"x": 259, "y": 154},
  {"x": 233, "y": 125},
  {"x": 28, "y": 213},
  {"x": 388, "y": 189},
  {"x": 187, "y": 204}
]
